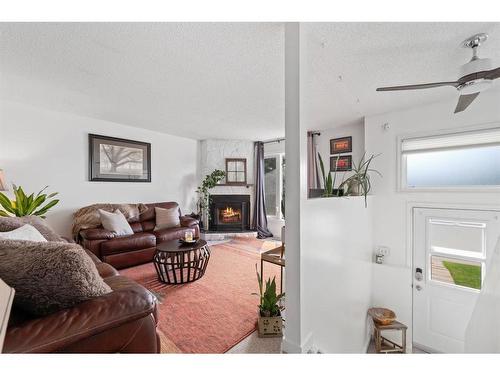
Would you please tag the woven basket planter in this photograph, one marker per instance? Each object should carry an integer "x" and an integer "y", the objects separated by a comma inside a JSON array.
[{"x": 270, "y": 326}]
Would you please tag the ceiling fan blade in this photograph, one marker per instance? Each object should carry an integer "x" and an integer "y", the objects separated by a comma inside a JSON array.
[
  {"x": 417, "y": 87},
  {"x": 464, "y": 101},
  {"x": 493, "y": 74}
]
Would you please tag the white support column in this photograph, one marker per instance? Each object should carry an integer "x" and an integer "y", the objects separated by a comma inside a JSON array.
[{"x": 292, "y": 340}]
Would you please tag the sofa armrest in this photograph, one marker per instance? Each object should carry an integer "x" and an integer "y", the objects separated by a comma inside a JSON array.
[
  {"x": 188, "y": 221},
  {"x": 56, "y": 331},
  {"x": 97, "y": 234}
]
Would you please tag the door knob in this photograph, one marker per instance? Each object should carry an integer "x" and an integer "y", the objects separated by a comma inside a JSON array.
[
  {"x": 418, "y": 274},
  {"x": 418, "y": 287}
]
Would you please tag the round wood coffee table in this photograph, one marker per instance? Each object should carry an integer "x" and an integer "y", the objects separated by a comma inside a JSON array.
[{"x": 179, "y": 263}]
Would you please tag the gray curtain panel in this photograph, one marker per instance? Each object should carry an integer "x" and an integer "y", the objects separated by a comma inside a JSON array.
[
  {"x": 313, "y": 180},
  {"x": 259, "y": 209}
]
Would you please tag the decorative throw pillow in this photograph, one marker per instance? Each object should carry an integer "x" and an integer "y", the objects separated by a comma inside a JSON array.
[
  {"x": 25, "y": 233},
  {"x": 49, "y": 276},
  {"x": 167, "y": 218},
  {"x": 11, "y": 223},
  {"x": 115, "y": 222}
]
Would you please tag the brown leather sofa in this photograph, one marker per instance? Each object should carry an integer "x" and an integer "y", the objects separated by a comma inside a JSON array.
[
  {"x": 123, "y": 321},
  {"x": 138, "y": 248}
]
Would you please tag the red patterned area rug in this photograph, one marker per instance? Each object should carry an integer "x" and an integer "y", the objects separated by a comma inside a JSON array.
[{"x": 212, "y": 314}]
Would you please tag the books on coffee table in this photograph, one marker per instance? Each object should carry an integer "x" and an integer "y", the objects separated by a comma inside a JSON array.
[{"x": 6, "y": 298}]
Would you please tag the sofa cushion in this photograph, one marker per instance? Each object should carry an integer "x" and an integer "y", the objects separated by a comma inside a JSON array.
[
  {"x": 136, "y": 241},
  {"x": 150, "y": 213},
  {"x": 170, "y": 234},
  {"x": 115, "y": 222},
  {"x": 11, "y": 223},
  {"x": 26, "y": 233},
  {"x": 167, "y": 218},
  {"x": 49, "y": 276}
]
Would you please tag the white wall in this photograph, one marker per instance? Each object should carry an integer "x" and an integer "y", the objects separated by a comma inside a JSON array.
[
  {"x": 336, "y": 272},
  {"x": 356, "y": 131},
  {"x": 213, "y": 154},
  {"x": 392, "y": 281},
  {"x": 40, "y": 147}
]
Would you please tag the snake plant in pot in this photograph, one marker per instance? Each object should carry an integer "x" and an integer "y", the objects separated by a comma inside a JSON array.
[
  {"x": 360, "y": 182},
  {"x": 26, "y": 205},
  {"x": 329, "y": 181},
  {"x": 270, "y": 323}
]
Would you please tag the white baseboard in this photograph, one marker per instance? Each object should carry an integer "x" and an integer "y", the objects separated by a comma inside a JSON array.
[
  {"x": 290, "y": 347},
  {"x": 293, "y": 348}
]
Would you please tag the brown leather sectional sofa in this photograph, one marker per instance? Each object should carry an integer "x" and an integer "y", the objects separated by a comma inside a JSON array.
[
  {"x": 123, "y": 321},
  {"x": 138, "y": 248}
]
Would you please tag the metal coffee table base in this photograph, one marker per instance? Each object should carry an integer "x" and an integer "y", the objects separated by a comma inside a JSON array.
[{"x": 181, "y": 267}]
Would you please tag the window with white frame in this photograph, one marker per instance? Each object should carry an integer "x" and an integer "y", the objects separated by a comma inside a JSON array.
[
  {"x": 274, "y": 184},
  {"x": 469, "y": 159}
]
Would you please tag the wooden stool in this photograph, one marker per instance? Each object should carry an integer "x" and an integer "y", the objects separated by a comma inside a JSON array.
[{"x": 384, "y": 345}]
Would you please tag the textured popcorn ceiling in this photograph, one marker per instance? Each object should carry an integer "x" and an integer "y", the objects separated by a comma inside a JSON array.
[{"x": 226, "y": 80}]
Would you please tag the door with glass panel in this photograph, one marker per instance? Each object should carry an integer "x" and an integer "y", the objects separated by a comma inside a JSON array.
[{"x": 450, "y": 256}]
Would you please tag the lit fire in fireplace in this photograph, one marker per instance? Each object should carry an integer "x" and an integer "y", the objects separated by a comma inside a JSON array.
[{"x": 230, "y": 215}]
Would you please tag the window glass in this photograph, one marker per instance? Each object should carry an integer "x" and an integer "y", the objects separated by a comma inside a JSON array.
[
  {"x": 456, "y": 272},
  {"x": 270, "y": 181},
  {"x": 475, "y": 166}
]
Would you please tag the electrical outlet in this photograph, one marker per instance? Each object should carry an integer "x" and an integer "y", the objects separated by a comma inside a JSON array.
[{"x": 383, "y": 250}]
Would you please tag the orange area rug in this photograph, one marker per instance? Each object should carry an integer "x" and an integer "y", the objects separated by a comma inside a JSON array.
[{"x": 212, "y": 314}]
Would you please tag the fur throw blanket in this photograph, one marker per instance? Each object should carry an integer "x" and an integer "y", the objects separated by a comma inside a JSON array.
[
  {"x": 88, "y": 217},
  {"x": 49, "y": 276},
  {"x": 10, "y": 223}
]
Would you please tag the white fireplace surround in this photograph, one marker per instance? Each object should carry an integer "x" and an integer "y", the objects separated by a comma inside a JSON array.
[{"x": 212, "y": 155}]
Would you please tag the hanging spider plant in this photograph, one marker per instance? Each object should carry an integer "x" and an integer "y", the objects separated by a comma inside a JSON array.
[{"x": 360, "y": 183}]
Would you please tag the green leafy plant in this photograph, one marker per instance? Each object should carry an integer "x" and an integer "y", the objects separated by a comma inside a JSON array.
[
  {"x": 360, "y": 183},
  {"x": 328, "y": 181},
  {"x": 25, "y": 205},
  {"x": 208, "y": 183},
  {"x": 269, "y": 301}
]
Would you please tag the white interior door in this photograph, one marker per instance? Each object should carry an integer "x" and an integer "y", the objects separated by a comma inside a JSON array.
[{"x": 450, "y": 254}]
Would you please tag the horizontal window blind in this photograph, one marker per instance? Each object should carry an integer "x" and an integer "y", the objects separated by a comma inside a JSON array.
[{"x": 453, "y": 140}]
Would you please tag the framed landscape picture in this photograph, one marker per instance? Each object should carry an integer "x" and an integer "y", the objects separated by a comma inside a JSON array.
[
  {"x": 119, "y": 160},
  {"x": 340, "y": 145},
  {"x": 344, "y": 163}
]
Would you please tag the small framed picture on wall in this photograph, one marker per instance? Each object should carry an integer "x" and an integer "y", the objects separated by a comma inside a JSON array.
[
  {"x": 340, "y": 145},
  {"x": 344, "y": 163}
]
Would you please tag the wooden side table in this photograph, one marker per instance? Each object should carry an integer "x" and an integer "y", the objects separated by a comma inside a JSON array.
[
  {"x": 274, "y": 256},
  {"x": 384, "y": 345}
]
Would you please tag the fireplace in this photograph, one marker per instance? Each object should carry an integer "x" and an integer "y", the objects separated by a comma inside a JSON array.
[{"x": 229, "y": 213}]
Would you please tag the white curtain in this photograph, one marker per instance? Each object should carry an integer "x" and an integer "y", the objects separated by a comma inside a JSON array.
[{"x": 483, "y": 332}]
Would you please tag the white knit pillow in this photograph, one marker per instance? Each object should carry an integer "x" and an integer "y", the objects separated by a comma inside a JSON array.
[
  {"x": 115, "y": 222},
  {"x": 26, "y": 233},
  {"x": 167, "y": 218}
]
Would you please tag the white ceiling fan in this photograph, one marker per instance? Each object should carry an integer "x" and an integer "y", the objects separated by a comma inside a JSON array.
[{"x": 475, "y": 76}]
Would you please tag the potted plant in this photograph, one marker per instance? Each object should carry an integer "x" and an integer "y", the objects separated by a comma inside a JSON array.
[
  {"x": 26, "y": 205},
  {"x": 328, "y": 181},
  {"x": 203, "y": 204},
  {"x": 270, "y": 323},
  {"x": 359, "y": 183}
]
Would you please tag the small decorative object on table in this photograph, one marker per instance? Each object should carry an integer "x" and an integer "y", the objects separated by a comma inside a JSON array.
[
  {"x": 385, "y": 320},
  {"x": 270, "y": 323},
  {"x": 189, "y": 236}
]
